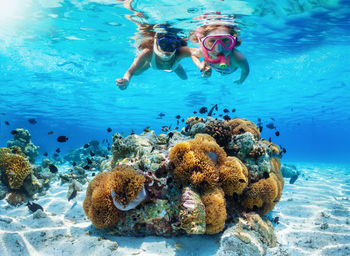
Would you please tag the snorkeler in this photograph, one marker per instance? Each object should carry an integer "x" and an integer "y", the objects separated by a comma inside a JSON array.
[
  {"x": 218, "y": 44},
  {"x": 162, "y": 52}
]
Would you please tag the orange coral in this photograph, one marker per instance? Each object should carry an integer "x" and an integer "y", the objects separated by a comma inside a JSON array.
[
  {"x": 275, "y": 149},
  {"x": 242, "y": 125},
  {"x": 15, "y": 166},
  {"x": 98, "y": 204},
  {"x": 215, "y": 210},
  {"x": 220, "y": 130},
  {"x": 233, "y": 176},
  {"x": 197, "y": 161}
]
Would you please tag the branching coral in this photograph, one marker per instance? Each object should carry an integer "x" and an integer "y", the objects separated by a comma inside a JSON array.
[
  {"x": 233, "y": 176},
  {"x": 197, "y": 161},
  {"x": 15, "y": 167},
  {"x": 215, "y": 209},
  {"x": 99, "y": 205}
]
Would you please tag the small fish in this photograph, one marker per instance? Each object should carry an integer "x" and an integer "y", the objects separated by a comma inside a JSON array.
[
  {"x": 187, "y": 128},
  {"x": 183, "y": 120},
  {"x": 109, "y": 129},
  {"x": 74, "y": 163},
  {"x": 152, "y": 149},
  {"x": 161, "y": 114},
  {"x": 215, "y": 107},
  {"x": 62, "y": 139},
  {"x": 88, "y": 160},
  {"x": 103, "y": 141},
  {"x": 170, "y": 135},
  {"x": 146, "y": 129},
  {"x": 233, "y": 110},
  {"x": 178, "y": 246},
  {"x": 50, "y": 133},
  {"x": 86, "y": 145},
  {"x": 220, "y": 115},
  {"x": 93, "y": 174},
  {"x": 13, "y": 132},
  {"x": 178, "y": 117},
  {"x": 293, "y": 178},
  {"x": 273, "y": 119},
  {"x": 108, "y": 148},
  {"x": 194, "y": 112},
  {"x": 284, "y": 150},
  {"x": 92, "y": 153},
  {"x": 53, "y": 168},
  {"x": 32, "y": 121},
  {"x": 226, "y": 117},
  {"x": 46, "y": 181},
  {"x": 74, "y": 194},
  {"x": 7, "y": 123},
  {"x": 277, "y": 133},
  {"x": 33, "y": 207},
  {"x": 203, "y": 110},
  {"x": 226, "y": 110},
  {"x": 270, "y": 139},
  {"x": 266, "y": 175},
  {"x": 165, "y": 128},
  {"x": 58, "y": 150},
  {"x": 276, "y": 220},
  {"x": 86, "y": 167},
  {"x": 177, "y": 122},
  {"x": 176, "y": 128},
  {"x": 260, "y": 128},
  {"x": 132, "y": 132},
  {"x": 259, "y": 119},
  {"x": 271, "y": 126},
  {"x": 45, "y": 154}
]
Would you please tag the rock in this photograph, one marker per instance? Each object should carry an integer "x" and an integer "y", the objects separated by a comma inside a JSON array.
[
  {"x": 38, "y": 214},
  {"x": 22, "y": 139},
  {"x": 289, "y": 170}
]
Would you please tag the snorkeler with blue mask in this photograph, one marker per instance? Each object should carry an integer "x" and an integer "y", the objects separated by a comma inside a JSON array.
[{"x": 163, "y": 52}]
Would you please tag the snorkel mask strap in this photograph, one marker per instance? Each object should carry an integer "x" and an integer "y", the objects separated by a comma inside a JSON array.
[{"x": 221, "y": 60}]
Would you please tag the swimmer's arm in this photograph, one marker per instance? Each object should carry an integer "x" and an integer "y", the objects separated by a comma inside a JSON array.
[
  {"x": 138, "y": 64},
  {"x": 195, "y": 55},
  {"x": 243, "y": 65}
]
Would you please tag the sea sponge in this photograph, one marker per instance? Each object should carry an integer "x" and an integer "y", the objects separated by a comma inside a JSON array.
[
  {"x": 197, "y": 161},
  {"x": 98, "y": 204},
  {"x": 233, "y": 176},
  {"x": 263, "y": 195},
  {"x": 242, "y": 125},
  {"x": 275, "y": 149},
  {"x": 15, "y": 167},
  {"x": 215, "y": 210}
]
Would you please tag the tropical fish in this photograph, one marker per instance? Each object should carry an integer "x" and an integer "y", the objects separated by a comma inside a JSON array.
[
  {"x": 203, "y": 110},
  {"x": 183, "y": 120},
  {"x": 45, "y": 154},
  {"x": 53, "y": 168},
  {"x": 13, "y": 132},
  {"x": 226, "y": 117},
  {"x": 92, "y": 153},
  {"x": 161, "y": 115},
  {"x": 33, "y": 207},
  {"x": 177, "y": 122},
  {"x": 260, "y": 128},
  {"x": 277, "y": 133},
  {"x": 7, "y": 123},
  {"x": 88, "y": 160},
  {"x": 276, "y": 220},
  {"x": 132, "y": 132},
  {"x": 194, "y": 112},
  {"x": 271, "y": 126},
  {"x": 146, "y": 129},
  {"x": 233, "y": 110},
  {"x": 32, "y": 121},
  {"x": 74, "y": 163},
  {"x": 270, "y": 139},
  {"x": 165, "y": 128},
  {"x": 212, "y": 109},
  {"x": 58, "y": 150},
  {"x": 176, "y": 128},
  {"x": 178, "y": 117},
  {"x": 62, "y": 139},
  {"x": 73, "y": 195},
  {"x": 50, "y": 132},
  {"x": 86, "y": 145},
  {"x": 109, "y": 129},
  {"x": 226, "y": 110}
]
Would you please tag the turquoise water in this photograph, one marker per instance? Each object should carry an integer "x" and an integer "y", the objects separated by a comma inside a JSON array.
[{"x": 59, "y": 61}]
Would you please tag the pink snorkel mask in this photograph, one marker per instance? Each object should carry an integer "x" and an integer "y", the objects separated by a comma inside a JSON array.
[{"x": 209, "y": 43}]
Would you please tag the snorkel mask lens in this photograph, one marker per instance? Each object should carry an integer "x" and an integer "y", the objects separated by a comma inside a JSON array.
[
  {"x": 169, "y": 44},
  {"x": 226, "y": 41}
]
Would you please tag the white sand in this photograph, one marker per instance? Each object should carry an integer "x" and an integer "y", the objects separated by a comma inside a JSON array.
[{"x": 314, "y": 220}]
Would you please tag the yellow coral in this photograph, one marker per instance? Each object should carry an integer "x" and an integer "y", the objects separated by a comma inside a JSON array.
[
  {"x": 242, "y": 125},
  {"x": 233, "y": 176},
  {"x": 197, "y": 161},
  {"x": 15, "y": 166},
  {"x": 98, "y": 204},
  {"x": 215, "y": 210}
]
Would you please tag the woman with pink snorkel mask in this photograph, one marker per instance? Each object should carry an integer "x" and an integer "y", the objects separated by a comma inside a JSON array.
[
  {"x": 163, "y": 51},
  {"x": 218, "y": 44}
]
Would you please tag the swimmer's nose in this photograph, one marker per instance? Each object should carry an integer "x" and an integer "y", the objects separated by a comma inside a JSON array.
[{"x": 219, "y": 48}]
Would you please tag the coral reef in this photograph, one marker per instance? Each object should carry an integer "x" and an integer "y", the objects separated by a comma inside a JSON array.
[
  {"x": 16, "y": 199},
  {"x": 14, "y": 167},
  {"x": 22, "y": 139}
]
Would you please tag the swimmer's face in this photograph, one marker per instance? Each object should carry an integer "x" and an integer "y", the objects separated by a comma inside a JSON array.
[{"x": 218, "y": 49}]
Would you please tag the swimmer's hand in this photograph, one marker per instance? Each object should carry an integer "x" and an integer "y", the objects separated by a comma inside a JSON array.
[
  {"x": 206, "y": 70},
  {"x": 122, "y": 83},
  {"x": 239, "y": 81}
]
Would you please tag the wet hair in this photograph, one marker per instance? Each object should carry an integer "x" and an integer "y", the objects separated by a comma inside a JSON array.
[
  {"x": 206, "y": 29},
  {"x": 147, "y": 43}
]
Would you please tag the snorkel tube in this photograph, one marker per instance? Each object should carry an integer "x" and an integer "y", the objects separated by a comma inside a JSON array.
[{"x": 221, "y": 59}]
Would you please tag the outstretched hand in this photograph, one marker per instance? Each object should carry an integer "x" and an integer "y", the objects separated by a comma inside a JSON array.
[
  {"x": 238, "y": 82},
  {"x": 122, "y": 83}
]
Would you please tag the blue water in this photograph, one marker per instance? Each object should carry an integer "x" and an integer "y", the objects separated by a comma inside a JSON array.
[{"x": 59, "y": 61}]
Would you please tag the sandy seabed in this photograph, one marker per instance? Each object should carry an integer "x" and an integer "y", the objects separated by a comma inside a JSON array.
[{"x": 314, "y": 219}]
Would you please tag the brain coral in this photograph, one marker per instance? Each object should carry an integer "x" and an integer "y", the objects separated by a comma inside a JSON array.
[
  {"x": 242, "y": 125},
  {"x": 215, "y": 210},
  {"x": 196, "y": 162},
  {"x": 15, "y": 167},
  {"x": 98, "y": 204},
  {"x": 233, "y": 176}
]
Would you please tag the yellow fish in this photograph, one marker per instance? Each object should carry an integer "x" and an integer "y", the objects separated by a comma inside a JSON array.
[{"x": 178, "y": 246}]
